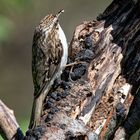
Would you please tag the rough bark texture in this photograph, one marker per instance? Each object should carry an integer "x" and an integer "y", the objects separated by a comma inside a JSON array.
[
  {"x": 94, "y": 97},
  {"x": 9, "y": 128}
]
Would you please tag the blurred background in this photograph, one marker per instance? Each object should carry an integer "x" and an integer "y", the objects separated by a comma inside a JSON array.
[{"x": 18, "y": 19}]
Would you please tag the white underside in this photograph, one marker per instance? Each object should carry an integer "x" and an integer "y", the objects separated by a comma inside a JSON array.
[{"x": 65, "y": 47}]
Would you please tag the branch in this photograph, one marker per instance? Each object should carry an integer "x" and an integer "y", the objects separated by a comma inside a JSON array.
[{"x": 9, "y": 127}]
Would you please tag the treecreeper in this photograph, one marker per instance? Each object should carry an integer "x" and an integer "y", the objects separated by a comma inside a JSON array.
[{"x": 49, "y": 57}]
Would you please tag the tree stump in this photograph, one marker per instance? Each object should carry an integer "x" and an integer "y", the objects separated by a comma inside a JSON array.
[{"x": 93, "y": 100}]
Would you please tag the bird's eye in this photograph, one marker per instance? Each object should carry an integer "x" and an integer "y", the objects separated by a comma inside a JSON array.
[{"x": 57, "y": 27}]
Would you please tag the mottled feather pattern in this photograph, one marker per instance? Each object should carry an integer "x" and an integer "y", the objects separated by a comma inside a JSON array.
[
  {"x": 49, "y": 57},
  {"x": 47, "y": 52},
  {"x": 47, "y": 21}
]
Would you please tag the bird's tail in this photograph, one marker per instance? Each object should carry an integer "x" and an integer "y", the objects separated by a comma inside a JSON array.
[{"x": 36, "y": 111}]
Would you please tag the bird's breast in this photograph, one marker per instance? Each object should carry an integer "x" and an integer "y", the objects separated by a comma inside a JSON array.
[{"x": 63, "y": 39}]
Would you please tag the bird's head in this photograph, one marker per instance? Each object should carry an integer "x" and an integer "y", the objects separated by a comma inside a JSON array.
[{"x": 50, "y": 21}]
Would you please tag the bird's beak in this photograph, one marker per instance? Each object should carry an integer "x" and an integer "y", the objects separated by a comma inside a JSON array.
[{"x": 59, "y": 13}]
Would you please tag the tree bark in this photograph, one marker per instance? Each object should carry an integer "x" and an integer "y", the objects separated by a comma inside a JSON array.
[
  {"x": 9, "y": 127},
  {"x": 93, "y": 100}
]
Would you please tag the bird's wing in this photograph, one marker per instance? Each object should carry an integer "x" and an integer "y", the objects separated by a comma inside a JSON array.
[{"x": 46, "y": 59}]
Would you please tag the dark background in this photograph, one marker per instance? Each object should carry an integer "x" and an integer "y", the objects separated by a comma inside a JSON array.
[{"x": 18, "y": 19}]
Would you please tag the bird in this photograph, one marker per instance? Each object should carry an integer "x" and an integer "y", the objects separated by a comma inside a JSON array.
[{"x": 49, "y": 58}]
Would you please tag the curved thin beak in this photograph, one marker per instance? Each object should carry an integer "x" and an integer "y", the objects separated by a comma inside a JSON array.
[{"x": 59, "y": 13}]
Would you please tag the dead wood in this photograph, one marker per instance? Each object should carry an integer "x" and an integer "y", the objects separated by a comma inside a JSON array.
[
  {"x": 94, "y": 97},
  {"x": 9, "y": 127}
]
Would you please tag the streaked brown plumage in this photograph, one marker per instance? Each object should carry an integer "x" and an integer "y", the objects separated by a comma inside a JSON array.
[{"x": 49, "y": 56}]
